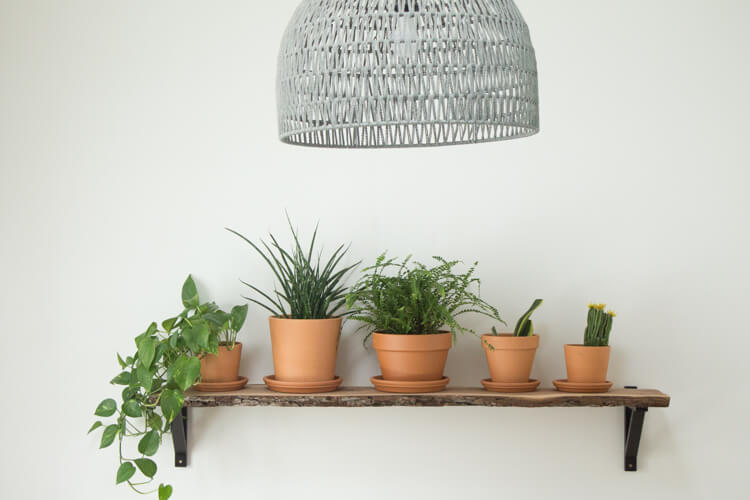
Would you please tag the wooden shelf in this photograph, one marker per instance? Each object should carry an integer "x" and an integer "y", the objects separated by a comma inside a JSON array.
[
  {"x": 259, "y": 395},
  {"x": 635, "y": 401}
]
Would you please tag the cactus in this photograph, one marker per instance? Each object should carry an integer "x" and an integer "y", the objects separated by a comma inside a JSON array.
[
  {"x": 598, "y": 326},
  {"x": 525, "y": 327}
]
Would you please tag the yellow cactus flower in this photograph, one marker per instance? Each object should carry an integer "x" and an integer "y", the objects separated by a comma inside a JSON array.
[{"x": 611, "y": 313}]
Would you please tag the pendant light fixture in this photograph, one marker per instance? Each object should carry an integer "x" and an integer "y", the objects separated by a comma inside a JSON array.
[{"x": 390, "y": 73}]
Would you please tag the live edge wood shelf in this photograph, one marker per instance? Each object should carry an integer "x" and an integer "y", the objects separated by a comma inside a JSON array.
[{"x": 635, "y": 401}]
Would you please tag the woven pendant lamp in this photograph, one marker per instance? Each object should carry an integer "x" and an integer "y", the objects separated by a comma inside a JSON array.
[{"x": 390, "y": 73}]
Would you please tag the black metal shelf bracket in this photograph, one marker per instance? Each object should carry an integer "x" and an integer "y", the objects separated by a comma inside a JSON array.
[
  {"x": 633, "y": 428},
  {"x": 179, "y": 438}
]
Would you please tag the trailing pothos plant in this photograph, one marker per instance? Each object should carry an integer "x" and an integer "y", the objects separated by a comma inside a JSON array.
[
  {"x": 165, "y": 364},
  {"x": 412, "y": 298}
]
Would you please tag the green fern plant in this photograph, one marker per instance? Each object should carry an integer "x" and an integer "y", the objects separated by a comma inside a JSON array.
[
  {"x": 309, "y": 287},
  {"x": 598, "y": 326},
  {"x": 414, "y": 298}
]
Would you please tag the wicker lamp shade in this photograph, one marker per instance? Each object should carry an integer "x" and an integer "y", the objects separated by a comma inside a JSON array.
[{"x": 389, "y": 73}]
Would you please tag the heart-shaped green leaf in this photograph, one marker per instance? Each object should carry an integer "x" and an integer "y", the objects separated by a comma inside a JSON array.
[
  {"x": 190, "y": 294},
  {"x": 95, "y": 426},
  {"x": 171, "y": 403},
  {"x": 168, "y": 324},
  {"x": 239, "y": 313},
  {"x": 122, "y": 379},
  {"x": 129, "y": 393},
  {"x": 109, "y": 434},
  {"x": 149, "y": 443},
  {"x": 145, "y": 376},
  {"x": 186, "y": 372},
  {"x": 196, "y": 337},
  {"x": 146, "y": 351},
  {"x": 131, "y": 408},
  {"x": 125, "y": 472},
  {"x": 165, "y": 491},
  {"x": 154, "y": 421},
  {"x": 106, "y": 408},
  {"x": 146, "y": 466}
]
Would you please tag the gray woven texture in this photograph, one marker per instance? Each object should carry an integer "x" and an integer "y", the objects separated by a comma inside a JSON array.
[{"x": 389, "y": 73}]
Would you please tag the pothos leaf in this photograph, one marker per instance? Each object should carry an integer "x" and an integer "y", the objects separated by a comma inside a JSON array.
[
  {"x": 146, "y": 351},
  {"x": 106, "y": 408},
  {"x": 149, "y": 443},
  {"x": 186, "y": 372},
  {"x": 171, "y": 403},
  {"x": 131, "y": 408},
  {"x": 125, "y": 472},
  {"x": 190, "y": 294},
  {"x": 108, "y": 436},
  {"x": 121, "y": 379},
  {"x": 145, "y": 377},
  {"x": 146, "y": 466},
  {"x": 165, "y": 491}
]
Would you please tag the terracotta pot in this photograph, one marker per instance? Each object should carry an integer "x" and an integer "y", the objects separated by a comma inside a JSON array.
[
  {"x": 222, "y": 367},
  {"x": 412, "y": 357},
  {"x": 510, "y": 358},
  {"x": 304, "y": 350},
  {"x": 586, "y": 363}
]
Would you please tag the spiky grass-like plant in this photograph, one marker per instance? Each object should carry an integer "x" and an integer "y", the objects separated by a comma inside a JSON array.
[
  {"x": 309, "y": 288},
  {"x": 416, "y": 299},
  {"x": 598, "y": 326}
]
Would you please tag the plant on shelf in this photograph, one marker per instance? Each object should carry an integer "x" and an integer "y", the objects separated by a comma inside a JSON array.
[
  {"x": 598, "y": 326},
  {"x": 589, "y": 363},
  {"x": 226, "y": 325},
  {"x": 510, "y": 357},
  {"x": 223, "y": 367},
  {"x": 524, "y": 326},
  {"x": 305, "y": 321},
  {"x": 406, "y": 306},
  {"x": 165, "y": 364}
]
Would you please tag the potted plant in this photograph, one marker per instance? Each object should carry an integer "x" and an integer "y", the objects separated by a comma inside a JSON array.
[
  {"x": 511, "y": 356},
  {"x": 166, "y": 363},
  {"x": 221, "y": 371},
  {"x": 587, "y": 364},
  {"x": 412, "y": 315},
  {"x": 305, "y": 319}
]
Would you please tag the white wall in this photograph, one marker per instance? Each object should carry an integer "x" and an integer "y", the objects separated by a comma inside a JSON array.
[{"x": 132, "y": 132}]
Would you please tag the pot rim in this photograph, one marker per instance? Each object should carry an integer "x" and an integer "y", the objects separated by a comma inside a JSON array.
[
  {"x": 508, "y": 342},
  {"x": 506, "y": 335},
  {"x": 441, "y": 332},
  {"x": 588, "y": 346},
  {"x": 279, "y": 318}
]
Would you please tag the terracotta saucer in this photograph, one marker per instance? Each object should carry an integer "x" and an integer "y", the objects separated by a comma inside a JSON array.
[
  {"x": 301, "y": 387},
  {"x": 409, "y": 386},
  {"x": 234, "y": 385},
  {"x": 563, "y": 385},
  {"x": 529, "y": 386}
]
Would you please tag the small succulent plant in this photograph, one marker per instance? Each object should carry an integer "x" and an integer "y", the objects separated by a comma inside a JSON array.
[{"x": 598, "y": 325}]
